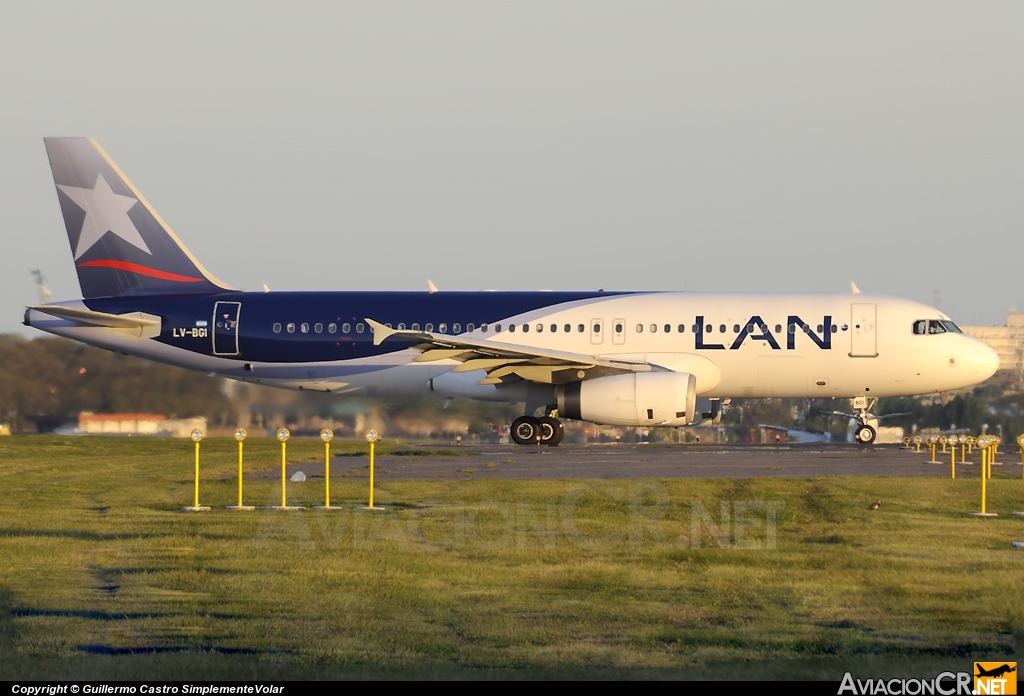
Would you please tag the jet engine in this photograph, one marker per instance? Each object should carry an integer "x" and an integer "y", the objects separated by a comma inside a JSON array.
[{"x": 640, "y": 398}]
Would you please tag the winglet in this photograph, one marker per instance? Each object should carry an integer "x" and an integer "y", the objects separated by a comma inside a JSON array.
[
  {"x": 380, "y": 332},
  {"x": 431, "y": 287},
  {"x": 854, "y": 288}
]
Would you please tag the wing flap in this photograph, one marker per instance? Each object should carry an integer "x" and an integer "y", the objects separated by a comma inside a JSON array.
[{"x": 501, "y": 360}]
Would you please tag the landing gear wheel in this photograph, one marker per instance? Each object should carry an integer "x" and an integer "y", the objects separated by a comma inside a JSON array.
[
  {"x": 551, "y": 431},
  {"x": 865, "y": 435},
  {"x": 524, "y": 430}
]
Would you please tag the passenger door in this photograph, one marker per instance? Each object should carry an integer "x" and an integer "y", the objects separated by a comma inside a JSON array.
[
  {"x": 225, "y": 327},
  {"x": 863, "y": 338}
]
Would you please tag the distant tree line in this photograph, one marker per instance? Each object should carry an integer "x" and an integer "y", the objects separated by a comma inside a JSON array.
[{"x": 57, "y": 377}]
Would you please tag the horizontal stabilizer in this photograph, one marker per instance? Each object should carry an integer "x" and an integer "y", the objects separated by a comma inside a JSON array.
[{"x": 136, "y": 324}]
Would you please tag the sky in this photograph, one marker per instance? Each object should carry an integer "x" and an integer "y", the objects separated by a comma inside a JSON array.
[{"x": 700, "y": 146}]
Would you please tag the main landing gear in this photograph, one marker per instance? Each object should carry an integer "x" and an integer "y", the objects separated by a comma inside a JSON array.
[{"x": 528, "y": 430}]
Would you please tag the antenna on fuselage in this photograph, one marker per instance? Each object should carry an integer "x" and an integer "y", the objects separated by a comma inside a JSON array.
[
  {"x": 44, "y": 290},
  {"x": 854, "y": 288},
  {"x": 431, "y": 288}
]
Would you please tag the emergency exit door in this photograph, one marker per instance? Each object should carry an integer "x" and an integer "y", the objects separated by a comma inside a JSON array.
[
  {"x": 225, "y": 328},
  {"x": 863, "y": 336}
]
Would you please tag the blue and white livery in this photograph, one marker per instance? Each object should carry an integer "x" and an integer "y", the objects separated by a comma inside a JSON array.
[{"x": 617, "y": 358}]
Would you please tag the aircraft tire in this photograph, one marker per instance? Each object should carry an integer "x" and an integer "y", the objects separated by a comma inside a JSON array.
[
  {"x": 551, "y": 431},
  {"x": 865, "y": 435},
  {"x": 524, "y": 430}
]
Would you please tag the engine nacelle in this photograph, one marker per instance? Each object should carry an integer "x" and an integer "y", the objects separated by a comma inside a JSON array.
[{"x": 640, "y": 398}]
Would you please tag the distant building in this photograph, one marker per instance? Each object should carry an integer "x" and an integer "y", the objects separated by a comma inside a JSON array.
[
  {"x": 1007, "y": 341},
  {"x": 137, "y": 424}
]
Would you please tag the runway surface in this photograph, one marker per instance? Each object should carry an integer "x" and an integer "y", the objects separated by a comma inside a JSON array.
[{"x": 650, "y": 461}]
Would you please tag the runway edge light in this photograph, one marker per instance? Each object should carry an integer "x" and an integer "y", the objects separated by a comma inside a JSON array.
[
  {"x": 196, "y": 436},
  {"x": 239, "y": 436},
  {"x": 371, "y": 436}
]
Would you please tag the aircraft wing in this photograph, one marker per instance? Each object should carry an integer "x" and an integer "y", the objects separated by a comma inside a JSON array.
[{"x": 501, "y": 360}]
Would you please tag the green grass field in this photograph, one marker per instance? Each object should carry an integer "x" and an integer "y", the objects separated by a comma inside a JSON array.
[{"x": 101, "y": 573}]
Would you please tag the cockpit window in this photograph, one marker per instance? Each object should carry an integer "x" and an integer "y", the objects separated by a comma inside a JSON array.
[
  {"x": 920, "y": 327},
  {"x": 935, "y": 327},
  {"x": 951, "y": 327}
]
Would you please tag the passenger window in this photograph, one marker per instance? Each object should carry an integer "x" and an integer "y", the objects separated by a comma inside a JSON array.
[
  {"x": 428, "y": 327},
  {"x": 554, "y": 328},
  {"x": 735, "y": 328},
  {"x": 526, "y": 328},
  {"x": 721, "y": 328},
  {"x": 639, "y": 328},
  {"x": 497, "y": 328},
  {"x": 483, "y": 328},
  {"x": 540, "y": 328},
  {"x": 346, "y": 328},
  {"x": 597, "y": 327},
  {"x": 277, "y": 328},
  {"x": 820, "y": 328},
  {"x": 304, "y": 328},
  {"x": 668, "y": 328},
  {"x": 511, "y": 328},
  {"x": 360, "y": 328},
  {"x": 318, "y": 328},
  {"x": 750, "y": 328},
  {"x": 778, "y": 328},
  {"x": 682, "y": 328},
  {"x": 618, "y": 328},
  {"x": 401, "y": 327},
  {"x": 709, "y": 329},
  {"x": 332, "y": 328},
  {"x": 456, "y": 328},
  {"x": 387, "y": 325},
  {"x": 415, "y": 326},
  {"x": 442, "y": 328},
  {"x": 792, "y": 328},
  {"x": 581, "y": 328},
  {"x": 567, "y": 328},
  {"x": 654, "y": 328},
  {"x": 835, "y": 328},
  {"x": 696, "y": 328},
  {"x": 470, "y": 328},
  {"x": 290, "y": 328}
]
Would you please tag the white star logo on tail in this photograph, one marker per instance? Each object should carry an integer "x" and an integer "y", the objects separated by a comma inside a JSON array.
[{"x": 105, "y": 211}]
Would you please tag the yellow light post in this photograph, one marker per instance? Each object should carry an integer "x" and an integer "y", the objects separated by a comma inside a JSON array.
[
  {"x": 196, "y": 436},
  {"x": 906, "y": 443},
  {"x": 962, "y": 441},
  {"x": 952, "y": 459},
  {"x": 282, "y": 435},
  {"x": 932, "y": 441},
  {"x": 239, "y": 435},
  {"x": 326, "y": 435},
  {"x": 943, "y": 440},
  {"x": 1020, "y": 441},
  {"x": 983, "y": 444},
  {"x": 917, "y": 442},
  {"x": 970, "y": 444},
  {"x": 371, "y": 437}
]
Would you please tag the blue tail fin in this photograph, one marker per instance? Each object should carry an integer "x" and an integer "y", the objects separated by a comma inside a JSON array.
[{"x": 120, "y": 244}]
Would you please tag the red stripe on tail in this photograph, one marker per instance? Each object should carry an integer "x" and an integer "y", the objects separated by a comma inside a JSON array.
[{"x": 141, "y": 270}]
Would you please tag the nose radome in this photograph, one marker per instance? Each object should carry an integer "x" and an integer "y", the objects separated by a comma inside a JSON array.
[{"x": 986, "y": 360}]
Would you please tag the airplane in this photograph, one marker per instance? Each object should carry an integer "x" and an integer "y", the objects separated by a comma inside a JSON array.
[
  {"x": 621, "y": 358},
  {"x": 995, "y": 671}
]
